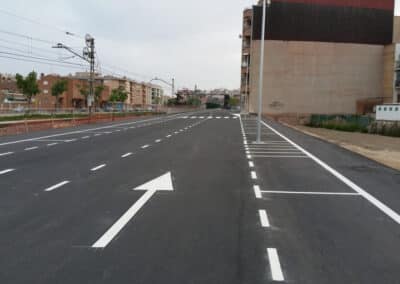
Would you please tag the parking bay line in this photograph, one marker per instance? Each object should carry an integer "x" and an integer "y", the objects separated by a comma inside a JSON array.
[{"x": 377, "y": 203}]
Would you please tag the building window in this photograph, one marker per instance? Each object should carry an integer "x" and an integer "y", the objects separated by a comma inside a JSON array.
[
  {"x": 396, "y": 109},
  {"x": 45, "y": 91},
  {"x": 385, "y": 109}
]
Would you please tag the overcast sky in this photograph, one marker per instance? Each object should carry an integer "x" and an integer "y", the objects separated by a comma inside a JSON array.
[{"x": 194, "y": 41}]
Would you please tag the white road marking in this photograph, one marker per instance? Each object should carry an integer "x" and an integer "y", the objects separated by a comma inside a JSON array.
[
  {"x": 57, "y": 186},
  {"x": 97, "y": 134},
  {"x": 69, "y": 141},
  {"x": 249, "y": 157},
  {"x": 98, "y": 167},
  {"x": 168, "y": 136},
  {"x": 158, "y": 140},
  {"x": 272, "y": 156},
  {"x": 85, "y": 137},
  {"x": 264, "y": 218},
  {"x": 377, "y": 203},
  {"x": 126, "y": 155},
  {"x": 257, "y": 191},
  {"x": 145, "y": 146},
  {"x": 251, "y": 164},
  {"x": 275, "y": 265},
  {"x": 226, "y": 117},
  {"x": 310, "y": 193},
  {"x": 6, "y": 154},
  {"x": 176, "y": 132},
  {"x": 218, "y": 117},
  {"x": 6, "y": 171},
  {"x": 163, "y": 183},
  {"x": 51, "y": 144},
  {"x": 253, "y": 175},
  {"x": 31, "y": 148},
  {"x": 201, "y": 117}
]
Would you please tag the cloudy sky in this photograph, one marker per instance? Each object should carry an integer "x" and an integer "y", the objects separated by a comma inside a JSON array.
[{"x": 194, "y": 41}]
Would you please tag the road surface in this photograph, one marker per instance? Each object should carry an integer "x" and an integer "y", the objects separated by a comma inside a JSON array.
[{"x": 189, "y": 198}]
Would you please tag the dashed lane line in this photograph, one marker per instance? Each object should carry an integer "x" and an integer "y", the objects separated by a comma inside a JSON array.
[
  {"x": 275, "y": 265},
  {"x": 52, "y": 144},
  {"x": 145, "y": 146},
  {"x": 126, "y": 155},
  {"x": 57, "y": 186},
  {"x": 6, "y": 154},
  {"x": 158, "y": 141},
  {"x": 264, "y": 218},
  {"x": 98, "y": 167},
  {"x": 31, "y": 148},
  {"x": 3, "y": 172},
  {"x": 257, "y": 191}
]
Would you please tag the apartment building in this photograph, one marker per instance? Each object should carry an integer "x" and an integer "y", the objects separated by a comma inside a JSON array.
[{"x": 321, "y": 56}]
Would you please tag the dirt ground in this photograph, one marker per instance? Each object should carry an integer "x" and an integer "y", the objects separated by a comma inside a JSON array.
[{"x": 385, "y": 150}]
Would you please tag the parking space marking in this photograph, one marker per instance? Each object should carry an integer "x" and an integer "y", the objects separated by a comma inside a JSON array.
[
  {"x": 377, "y": 203},
  {"x": 310, "y": 193}
]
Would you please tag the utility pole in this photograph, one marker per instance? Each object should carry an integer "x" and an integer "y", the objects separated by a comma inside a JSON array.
[
  {"x": 89, "y": 56},
  {"x": 261, "y": 75}
]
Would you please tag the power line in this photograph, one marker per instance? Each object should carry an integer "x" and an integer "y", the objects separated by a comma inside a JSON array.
[
  {"x": 40, "y": 62},
  {"x": 41, "y": 58},
  {"x": 25, "y": 51},
  {"x": 26, "y": 37},
  {"x": 39, "y": 23}
]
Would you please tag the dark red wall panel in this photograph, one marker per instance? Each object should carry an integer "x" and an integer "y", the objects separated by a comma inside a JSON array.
[
  {"x": 293, "y": 21},
  {"x": 372, "y": 4}
]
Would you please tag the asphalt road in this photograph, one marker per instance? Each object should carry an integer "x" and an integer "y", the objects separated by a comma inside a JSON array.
[{"x": 190, "y": 199}]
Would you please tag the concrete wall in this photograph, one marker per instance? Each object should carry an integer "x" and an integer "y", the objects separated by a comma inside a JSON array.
[
  {"x": 316, "y": 77},
  {"x": 389, "y": 73}
]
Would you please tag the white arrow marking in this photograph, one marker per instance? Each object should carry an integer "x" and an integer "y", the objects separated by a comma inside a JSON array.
[{"x": 162, "y": 183}]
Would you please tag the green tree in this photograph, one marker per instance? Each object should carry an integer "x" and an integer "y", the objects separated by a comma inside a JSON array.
[
  {"x": 234, "y": 102},
  {"x": 84, "y": 91},
  {"x": 98, "y": 90},
  {"x": 28, "y": 86},
  {"x": 118, "y": 95},
  {"x": 194, "y": 101},
  {"x": 58, "y": 89}
]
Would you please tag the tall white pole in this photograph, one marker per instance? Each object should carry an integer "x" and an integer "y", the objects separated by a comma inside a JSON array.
[{"x": 261, "y": 75}]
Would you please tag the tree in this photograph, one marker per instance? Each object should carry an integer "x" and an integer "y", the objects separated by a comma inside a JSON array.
[
  {"x": 118, "y": 95},
  {"x": 84, "y": 91},
  {"x": 28, "y": 86},
  {"x": 98, "y": 90},
  {"x": 193, "y": 101},
  {"x": 58, "y": 89},
  {"x": 233, "y": 102}
]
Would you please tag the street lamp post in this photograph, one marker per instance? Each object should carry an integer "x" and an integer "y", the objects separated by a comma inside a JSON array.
[{"x": 261, "y": 75}]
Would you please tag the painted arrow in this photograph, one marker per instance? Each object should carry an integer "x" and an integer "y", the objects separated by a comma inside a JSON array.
[{"x": 162, "y": 183}]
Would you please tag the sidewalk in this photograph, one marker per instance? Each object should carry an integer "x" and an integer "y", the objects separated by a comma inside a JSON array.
[{"x": 385, "y": 150}]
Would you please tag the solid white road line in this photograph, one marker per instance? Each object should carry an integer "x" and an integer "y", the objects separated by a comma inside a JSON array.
[
  {"x": 251, "y": 164},
  {"x": 275, "y": 265},
  {"x": 377, "y": 203},
  {"x": 257, "y": 191},
  {"x": 264, "y": 218},
  {"x": 145, "y": 146},
  {"x": 31, "y": 148},
  {"x": 98, "y": 167},
  {"x": 253, "y": 175},
  {"x": 310, "y": 193},
  {"x": 51, "y": 144},
  {"x": 57, "y": 186},
  {"x": 158, "y": 140},
  {"x": 126, "y": 155},
  {"x": 271, "y": 156},
  {"x": 123, "y": 220},
  {"x": 6, "y": 171},
  {"x": 6, "y": 154}
]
